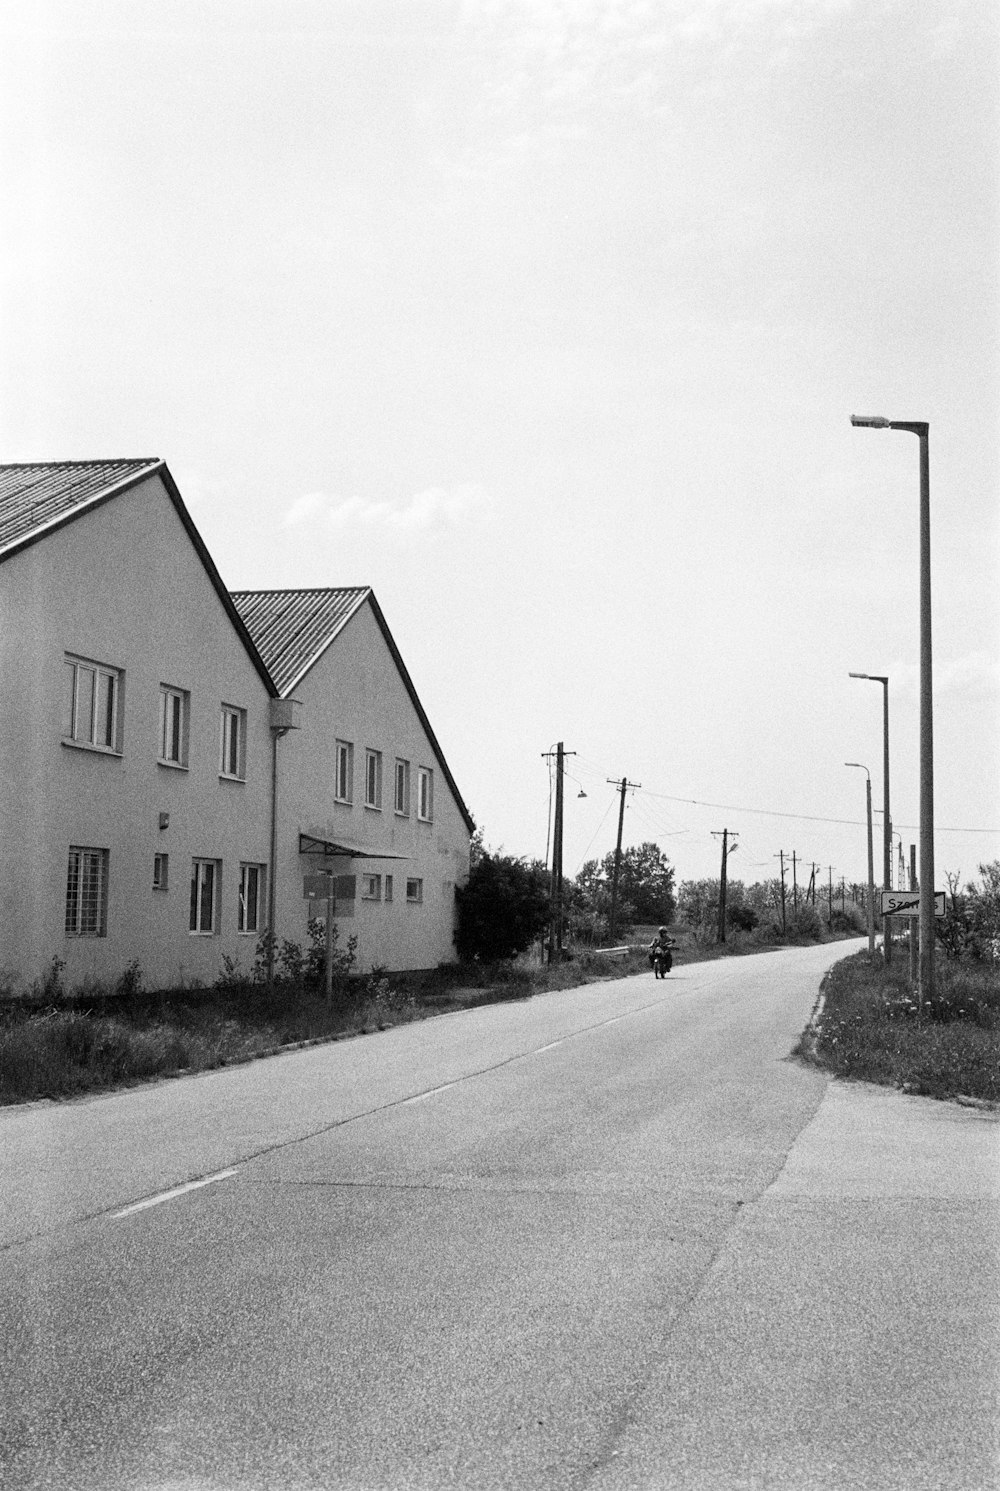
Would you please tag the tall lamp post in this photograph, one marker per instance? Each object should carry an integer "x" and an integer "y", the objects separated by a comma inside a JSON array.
[
  {"x": 886, "y": 840},
  {"x": 922, "y": 430},
  {"x": 871, "y": 857}
]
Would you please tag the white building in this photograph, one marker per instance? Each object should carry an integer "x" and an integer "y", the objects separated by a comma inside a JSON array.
[{"x": 142, "y": 736}]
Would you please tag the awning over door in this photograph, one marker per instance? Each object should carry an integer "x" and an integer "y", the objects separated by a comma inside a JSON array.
[{"x": 317, "y": 843}]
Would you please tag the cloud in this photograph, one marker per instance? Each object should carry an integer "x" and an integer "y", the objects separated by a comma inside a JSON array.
[
  {"x": 976, "y": 676},
  {"x": 434, "y": 507}
]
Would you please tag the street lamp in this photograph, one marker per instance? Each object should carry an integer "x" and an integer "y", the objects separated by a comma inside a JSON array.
[
  {"x": 922, "y": 430},
  {"x": 886, "y": 841},
  {"x": 871, "y": 860}
]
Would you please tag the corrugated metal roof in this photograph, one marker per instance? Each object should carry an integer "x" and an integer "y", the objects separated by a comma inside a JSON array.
[
  {"x": 41, "y": 495},
  {"x": 292, "y": 628}
]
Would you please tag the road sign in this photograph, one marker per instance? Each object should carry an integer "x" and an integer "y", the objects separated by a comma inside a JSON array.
[
  {"x": 907, "y": 903},
  {"x": 317, "y": 887}
]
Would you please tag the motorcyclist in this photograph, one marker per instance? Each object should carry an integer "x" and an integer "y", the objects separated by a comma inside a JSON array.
[{"x": 661, "y": 943}]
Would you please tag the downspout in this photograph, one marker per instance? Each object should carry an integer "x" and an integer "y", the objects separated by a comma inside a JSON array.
[
  {"x": 272, "y": 878},
  {"x": 284, "y": 717}
]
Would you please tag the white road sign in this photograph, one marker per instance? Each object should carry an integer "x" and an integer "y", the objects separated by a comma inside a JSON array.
[{"x": 907, "y": 903}]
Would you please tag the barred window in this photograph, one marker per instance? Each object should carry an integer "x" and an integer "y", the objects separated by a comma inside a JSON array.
[{"x": 87, "y": 892}]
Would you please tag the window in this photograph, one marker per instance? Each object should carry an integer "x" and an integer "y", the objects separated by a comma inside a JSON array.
[
  {"x": 94, "y": 714},
  {"x": 403, "y": 787},
  {"x": 371, "y": 887},
  {"x": 232, "y": 742},
  {"x": 160, "y": 871},
  {"x": 388, "y": 887},
  {"x": 373, "y": 779},
  {"x": 251, "y": 890},
  {"x": 174, "y": 712},
  {"x": 415, "y": 891},
  {"x": 87, "y": 892},
  {"x": 204, "y": 884},
  {"x": 425, "y": 793},
  {"x": 344, "y": 784}
]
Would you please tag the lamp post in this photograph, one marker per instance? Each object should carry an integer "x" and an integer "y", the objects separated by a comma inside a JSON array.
[
  {"x": 886, "y": 841},
  {"x": 922, "y": 431},
  {"x": 871, "y": 858}
]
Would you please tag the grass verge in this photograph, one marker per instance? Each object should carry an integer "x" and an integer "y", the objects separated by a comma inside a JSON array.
[
  {"x": 96, "y": 1041},
  {"x": 870, "y": 1028}
]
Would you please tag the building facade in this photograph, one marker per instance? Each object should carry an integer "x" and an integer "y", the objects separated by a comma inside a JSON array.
[
  {"x": 363, "y": 788},
  {"x": 143, "y": 735}
]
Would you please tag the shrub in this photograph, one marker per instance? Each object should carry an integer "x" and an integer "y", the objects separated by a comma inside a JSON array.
[
  {"x": 130, "y": 981},
  {"x": 804, "y": 925},
  {"x": 501, "y": 909}
]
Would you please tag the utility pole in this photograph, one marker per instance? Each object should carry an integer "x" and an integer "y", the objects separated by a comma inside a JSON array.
[
  {"x": 829, "y": 901},
  {"x": 623, "y": 788},
  {"x": 555, "y": 890},
  {"x": 795, "y": 883},
  {"x": 727, "y": 850},
  {"x": 811, "y": 892},
  {"x": 781, "y": 855},
  {"x": 913, "y": 929}
]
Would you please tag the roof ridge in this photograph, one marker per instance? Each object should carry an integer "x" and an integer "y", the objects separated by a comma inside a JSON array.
[
  {"x": 94, "y": 461},
  {"x": 298, "y": 589}
]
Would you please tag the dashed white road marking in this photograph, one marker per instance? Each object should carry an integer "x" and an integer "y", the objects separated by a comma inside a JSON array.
[
  {"x": 191, "y": 1185},
  {"x": 422, "y": 1096}
]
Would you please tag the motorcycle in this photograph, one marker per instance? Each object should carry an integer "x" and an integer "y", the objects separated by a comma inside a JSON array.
[{"x": 662, "y": 961}]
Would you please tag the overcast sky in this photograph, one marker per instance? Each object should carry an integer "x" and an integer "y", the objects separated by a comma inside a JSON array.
[{"x": 546, "y": 320}]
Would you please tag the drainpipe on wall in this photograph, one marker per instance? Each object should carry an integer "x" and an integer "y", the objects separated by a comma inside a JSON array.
[{"x": 284, "y": 717}]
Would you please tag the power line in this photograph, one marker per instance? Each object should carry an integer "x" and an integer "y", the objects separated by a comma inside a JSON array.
[
  {"x": 728, "y": 807},
  {"x": 695, "y": 802}
]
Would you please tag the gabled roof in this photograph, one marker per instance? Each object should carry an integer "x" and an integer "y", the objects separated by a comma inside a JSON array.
[
  {"x": 293, "y": 629},
  {"x": 40, "y": 497}
]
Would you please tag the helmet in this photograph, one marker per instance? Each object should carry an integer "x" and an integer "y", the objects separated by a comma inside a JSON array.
[{"x": 662, "y": 930}]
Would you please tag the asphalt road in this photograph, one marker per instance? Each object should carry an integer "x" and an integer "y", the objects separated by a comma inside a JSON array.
[{"x": 610, "y": 1238}]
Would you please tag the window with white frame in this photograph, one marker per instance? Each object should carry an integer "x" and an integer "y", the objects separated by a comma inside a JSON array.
[
  {"x": 343, "y": 789},
  {"x": 425, "y": 793},
  {"x": 174, "y": 721},
  {"x": 93, "y": 717},
  {"x": 371, "y": 887},
  {"x": 204, "y": 895},
  {"x": 251, "y": 897},
  {"x": 87, "y": 892},
  {"x": 388, "y": 888},
  {"x": 232, "y": 742},
  {"x": 402, "y": 798},
  {"x": 415, "y": 892},
  {"x": 373, "y": 779},
  {"x": 160, "y": 869}
]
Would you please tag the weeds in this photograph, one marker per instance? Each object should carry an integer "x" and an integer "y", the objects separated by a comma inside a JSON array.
[{"x": 872, "y": 1029}]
